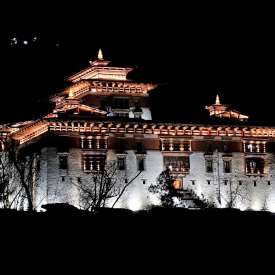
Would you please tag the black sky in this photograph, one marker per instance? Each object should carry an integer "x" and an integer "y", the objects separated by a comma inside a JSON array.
[{"x": 195, "y": 51}]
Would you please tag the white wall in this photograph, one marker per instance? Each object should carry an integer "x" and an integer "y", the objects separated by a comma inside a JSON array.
[
  {"x": 146, "y": 114},
  {"x": 53, "y": 189}
]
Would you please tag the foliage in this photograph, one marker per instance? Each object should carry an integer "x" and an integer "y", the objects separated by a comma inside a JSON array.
[
  {"x": 7, "y": 189},
  {"x": 234, "y": 194},
  {"x": 19, "y": 174},
  {"x": 164, "y": 188},
  {"x": 171, "y": 197}
]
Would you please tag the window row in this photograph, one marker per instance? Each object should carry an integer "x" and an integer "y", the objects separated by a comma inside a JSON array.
[
  {"x": 176, "y": 164},
  {"x": 227, "y": 166},
  {"x": 174, "y": 145},
  {"x": 121, "y": 163},
  {"x": 169, "y": 145},
  {"x": 181, "y": 164},
  {"x": 240, "y": 182},
  {"x": 93, "y": 142},
  {"x": 178, "y": 183},
  {"x": 253, "y": 166},
  {"x": 178, "y": 145},
  {"x": 97, "y": 162},
  {"x": 93, "y": 163},
  {"x": 254, "y": 146}
]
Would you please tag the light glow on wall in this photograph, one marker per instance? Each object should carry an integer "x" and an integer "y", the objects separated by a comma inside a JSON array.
[
  {"x": 135, "y": 203},
  {"x": 271, "y": 207},
  {"x": 242, "y": 206},
  {"x": 177, "y": 184},
  {"x": 154, "y": 200},
  {"x": 256, "y": 205}
]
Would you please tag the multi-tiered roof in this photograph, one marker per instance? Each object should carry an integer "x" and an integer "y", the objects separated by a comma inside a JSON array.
[
  {"x": 102, "y": 79},
  {"x": 98, "y": 79}
]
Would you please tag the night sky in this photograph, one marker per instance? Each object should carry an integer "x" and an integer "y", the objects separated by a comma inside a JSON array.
[{"x": 192, "y": 52}]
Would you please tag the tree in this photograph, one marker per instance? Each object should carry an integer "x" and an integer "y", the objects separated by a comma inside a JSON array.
[
  {"x": 6, "y": 188},
  {"x": 19, "y": 175},
  {"x": 234, "y": 194},
  {"x": 172, "y": 197},
  {"x": 103, "y": 188},
  {"x": 231, "y": 186},
  {"x": 164, "y": 188}
]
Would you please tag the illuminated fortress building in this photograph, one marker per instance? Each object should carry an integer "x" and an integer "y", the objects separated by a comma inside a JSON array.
[{"x": 102, "y": 117}]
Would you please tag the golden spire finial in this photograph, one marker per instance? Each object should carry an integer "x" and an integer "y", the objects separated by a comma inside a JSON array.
[
  {"x": 100, "y": 55},
  {"x": 217, "y": 100}
]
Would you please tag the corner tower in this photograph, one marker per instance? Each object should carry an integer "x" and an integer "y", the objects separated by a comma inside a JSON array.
[{"x": 224, "y": 111}]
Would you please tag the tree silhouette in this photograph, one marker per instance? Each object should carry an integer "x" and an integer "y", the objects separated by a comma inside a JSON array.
[
  {"x": 164, "y": 188},
  {"x": 19, "y": 173},
  {"x": 103, "y": 188}
]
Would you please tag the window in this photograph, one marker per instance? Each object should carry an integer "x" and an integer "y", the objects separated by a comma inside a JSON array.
[
  {"x": 93, "y": 142},
  {"x": 209, "y": 165},
  {"x": 209, "y": 148},
  {"x": 140, "y": 147},
  {"x": 177, "y": 184},
  {"x": 254, "y": 166},
  {"x": 240, "y": 182},
  {"x": 140, "y": 164},
  {"x": 121, "y": 114},
  {"x": 137, "y": 115},
  {"x": 121, "y": 163},
  {"x": 62, "y": 178},
  {"x": 255, "y": 147},
  {"x": 38, "y": 164},
  {"x": 63, "y": 147},
  {"x": 268, "y": 182},
  {"x": 177, "y": 164},
  {"x": 137, "y": 111},
  {"x": 255, "y": 183},
  {"x": 2, "y": 147},
  {"x": 208, "y": 182},
  {"x": 226, "y": 148},
  {"x": 193, "y": 182},
  {"x": 63, "y": 162},
  {"x": 93, "y": 163},
  {"x": 227, "y": 166},
  {"x": 120, "y": 103}
]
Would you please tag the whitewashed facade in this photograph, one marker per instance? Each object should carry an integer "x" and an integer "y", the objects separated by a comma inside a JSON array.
[{"x": 258, "y": 190}]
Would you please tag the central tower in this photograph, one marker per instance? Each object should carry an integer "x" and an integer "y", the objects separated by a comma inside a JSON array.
[{"x": 105, "y": 90}]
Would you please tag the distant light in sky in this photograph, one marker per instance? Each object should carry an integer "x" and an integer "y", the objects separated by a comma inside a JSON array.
[
  {"x": 14, "y": 41},
  {"x": 27, "y": 41}
]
